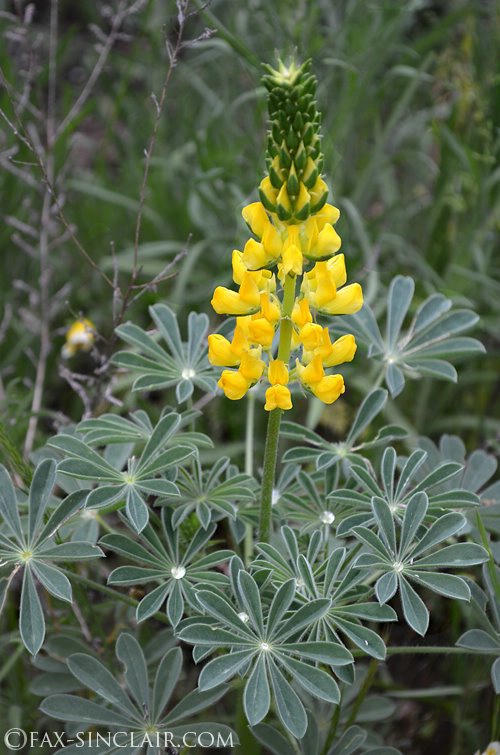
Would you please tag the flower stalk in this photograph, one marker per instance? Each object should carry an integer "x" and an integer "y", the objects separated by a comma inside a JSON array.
[{"x": 289, "y": 275}]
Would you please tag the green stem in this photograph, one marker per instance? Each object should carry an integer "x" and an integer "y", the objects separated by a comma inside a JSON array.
[
  {"x": 372, "y": 670},
  {"x": 273, "y": 425},
  {"x": 249, "y": 451},
  {"x": 110, "y": 592}
]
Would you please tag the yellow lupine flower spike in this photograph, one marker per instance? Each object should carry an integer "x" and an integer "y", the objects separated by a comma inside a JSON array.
[{"x": 289, "y": 271}]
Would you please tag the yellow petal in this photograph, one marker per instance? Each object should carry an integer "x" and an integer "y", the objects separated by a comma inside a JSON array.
[
  {"x": 329, "y": 388},
  {"x": 292, "y": 261},
  {"x": 301, "y": 313},
  {"x": 342, "y": 350},
  {"x": 254, "y": 255},
  {"x": 328, "y": 214},
  {"x": 271, "y": 240},
  {"x": 239, "y": 267},
  {"x": 336, "y": 268},
  {"x": 348, "y": 301},
  {"x": 220, "y": 352},
  {"x": 303, "y": 201},
  {"x": 268, "y": 193},
  {"x": 311, "y": 336},
  {"x": 261, "y": 331},
  {"x": 328, "y": 242},
  {"x": 278, "y": 397},
  {"x": 256, "y": 217},
  {"x": 234, "y": 384},
  {"x": 277, "y": 372},
  {"x": 227, "y": 302},
  {"x": 270, "y": 307},
  {"x": 249, "y": 290},
  {"x": 251, "y": 367},
  {"x": 311, "y": 374}
]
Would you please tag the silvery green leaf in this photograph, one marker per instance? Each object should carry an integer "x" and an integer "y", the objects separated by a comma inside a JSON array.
[
  {"x": 79, "y": 710},
  {"x": 166, "y": 678},
  {"x": 92, "y": 674},
  {"x": 8, "y": 506},
  {"x": 223, "y": 668},
  {"x": 129, "y": 653},
  {"x": 458, "y": 554},
  {"x": 448, "y": 585},
  {"x": 257, "y": 697},
  {"x": 31, "y": 621},
  {"x": 52, "y": 579},
  {"x": 39, "y": 495},
  {"x": 495, "y": 676},
  {"x": 480, "y": 641},
  {"x": 386, "y": 586},
  {"x": 414, "y": 608},
  {"x": 290, "y": 710},
  {"x": 398, "y": 302},
  {"x": 315, "y": 681},
  {"x": 370, "y": 407}
]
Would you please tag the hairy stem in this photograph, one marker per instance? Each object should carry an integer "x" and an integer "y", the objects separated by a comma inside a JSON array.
[
  {"x": 274, "y": 422},
  {"x": 249, "y": 451}
]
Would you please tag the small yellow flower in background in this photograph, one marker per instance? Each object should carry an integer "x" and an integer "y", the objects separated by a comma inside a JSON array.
[
  {"x": 80, "y": 336},
  {"x": 293, "y": 242}
]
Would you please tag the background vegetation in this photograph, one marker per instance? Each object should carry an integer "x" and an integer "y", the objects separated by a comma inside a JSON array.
[{"x": 408, "y": 95}]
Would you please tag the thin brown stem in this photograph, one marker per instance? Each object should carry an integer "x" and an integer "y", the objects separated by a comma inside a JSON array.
[{"x": 44, "y": 278}]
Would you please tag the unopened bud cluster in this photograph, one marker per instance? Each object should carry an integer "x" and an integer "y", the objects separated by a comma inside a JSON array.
[{"x": 293, "y": 241}]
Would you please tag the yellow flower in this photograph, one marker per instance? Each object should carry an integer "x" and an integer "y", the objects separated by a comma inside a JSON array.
[
  {"x": 291, "y": 262},
  {"x": 342, "y": 350},
  {"x": 311, "y": 374},
  {"x": 264, "y": 279},
  {"x": 311, "y": 336},
  {"x": 254, "y": 255},
  {"x": 261, "y": 331},
  {"x": 329, "y": 388},
  {"x": 278, "y": 397},
  {"x": 222, "y": 353},
  {"x": 327, "y": 244},
  {"x": 80, "y": 336},
  {"x": 348, "y": 301},
  {"x": 277, "y": 372},
  {"x": 234, "y": 384},
  {"x": 301, "y": 313},
  {"x": 256, "y": 217},
  {"x": 244, "y": 302},
  {"x": 251, "y": 367},
  {"x": 328, "y": 214}
]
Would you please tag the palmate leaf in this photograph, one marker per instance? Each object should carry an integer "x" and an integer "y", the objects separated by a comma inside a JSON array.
[
  {"x": 476, "y": 477},
  {"x": 130, "y": 488},
  {"x": 324, "y": 453},
  {"x": 400, "y": 554},
  {"x": 395, "y": 482},
  {"x": 178, "y": 568},
  {"x": 112, "y": 428},
  {"x": 422, "y": 349},
  {"x": 137, "y": 708},
  {"x": 213, "y": 494},
  {"x": 264, "y": 648},
  {"x": 334, "y": 579},
  {"x": 184, "y": 364},
  {"x": 29, "y": 545}
]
